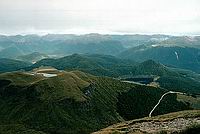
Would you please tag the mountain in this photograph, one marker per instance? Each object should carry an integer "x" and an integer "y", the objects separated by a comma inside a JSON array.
[
  {"x": 12, "y": 65},
  {"x": 66, "y": 44},
  {"x": 110, "y": 79},
  {"x": 182, "y": 41},
  {"x": 74, "y": 102},
  {"x": 60, "y": 45},
  {"x": 170, "y": 78},
  {"x": 33, "y": 57},
  {"x": 174, "y": 56},
  {"x": 150, "y": 67},
  {"x": 11, "y": 52},
  {"x": 102, "y": 65},
  {"x": 184, "y": 122},
  {"x": 105, "y": 65}
]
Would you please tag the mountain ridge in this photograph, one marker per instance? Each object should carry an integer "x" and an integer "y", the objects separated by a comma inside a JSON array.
[{"x": 72, "y": 102}]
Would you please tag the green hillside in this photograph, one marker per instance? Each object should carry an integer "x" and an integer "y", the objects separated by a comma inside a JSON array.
[
  {"x": 170, "y": 78},
  {"x": 101, "y": 65},
  {"x": 104, "y": 65},
  {"x": 184, "y": 57},
  {"x": 7, "y": 65},
  {"x": 73, "y": 102}
]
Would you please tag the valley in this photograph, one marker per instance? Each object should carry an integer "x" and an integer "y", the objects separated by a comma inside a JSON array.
[{"x": 71, "y": 84}]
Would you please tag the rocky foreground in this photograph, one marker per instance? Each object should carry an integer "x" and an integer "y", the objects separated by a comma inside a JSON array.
[{"x": 179, "y": 122}]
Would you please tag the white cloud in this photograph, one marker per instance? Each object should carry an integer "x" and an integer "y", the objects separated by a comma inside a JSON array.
[{"x": 105, "y": 16}]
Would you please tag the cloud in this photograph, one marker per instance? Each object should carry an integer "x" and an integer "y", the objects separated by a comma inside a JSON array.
[{"x": 105, "y": 16}]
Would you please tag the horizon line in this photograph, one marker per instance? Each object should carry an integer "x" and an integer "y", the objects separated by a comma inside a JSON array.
[{"x": 90, "y": 33}]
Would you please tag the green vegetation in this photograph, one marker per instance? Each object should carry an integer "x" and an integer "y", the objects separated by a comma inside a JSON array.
[
  {"x": 179, "y": 83},
  {"x": 7, "y": 65},
  {"x": 194, "y": 101},
  {"x": 17, "y": 129},
  {"x": 72, "y": 102},
  {"x": 105, "y": 65},
  {"x": 194, "y": 129},
  {"x": 174, "y": 56},
  {"x": 148, "y": 95},
  {"x": 77, "y": 101},
  {"x": 101, "y": 65}
]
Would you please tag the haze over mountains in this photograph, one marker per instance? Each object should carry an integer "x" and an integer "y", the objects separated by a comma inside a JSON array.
[
  {"x": 82, "y": 83},
  {"x": 175, "y": 51}
]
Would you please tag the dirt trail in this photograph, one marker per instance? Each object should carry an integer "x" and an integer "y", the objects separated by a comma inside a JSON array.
[{"x": 170, "y": 92}]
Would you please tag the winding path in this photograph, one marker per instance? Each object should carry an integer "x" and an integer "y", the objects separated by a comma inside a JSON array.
[{"x": 170, "y": 92}]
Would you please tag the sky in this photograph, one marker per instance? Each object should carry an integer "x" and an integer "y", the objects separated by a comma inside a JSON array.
[{"x": 177, "y": 17}]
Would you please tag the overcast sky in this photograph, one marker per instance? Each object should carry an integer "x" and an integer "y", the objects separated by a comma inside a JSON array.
[{"x": 100, "y": 16}]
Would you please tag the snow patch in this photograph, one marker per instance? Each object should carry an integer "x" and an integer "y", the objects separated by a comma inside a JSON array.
[
  {"x": 159, "y": 39},
  {"x": 177, "y": 57},
  {"x": 154, "y": 45}
]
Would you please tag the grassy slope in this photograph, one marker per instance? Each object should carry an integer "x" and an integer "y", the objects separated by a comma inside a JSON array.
[
  {"x": 101, "y": 65},
  {"x": 73, "y": 102},
  {"x": 170, "y": 78},
  {"x": 188, "y": 56},
  {"x": 104, "y": 65},
  {"x": 17, "y": 129}
]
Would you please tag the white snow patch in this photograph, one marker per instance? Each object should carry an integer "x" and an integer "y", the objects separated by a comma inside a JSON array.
[
  {"x": 154, "y": 45},
  {"x": 159, "y": 39},
  {"x": 177, "y": 57}
]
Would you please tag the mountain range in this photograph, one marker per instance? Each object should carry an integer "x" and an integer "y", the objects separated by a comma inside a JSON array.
[
  {"x": 72, "y": 84},
  {"x": 173, "y": 56}
]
